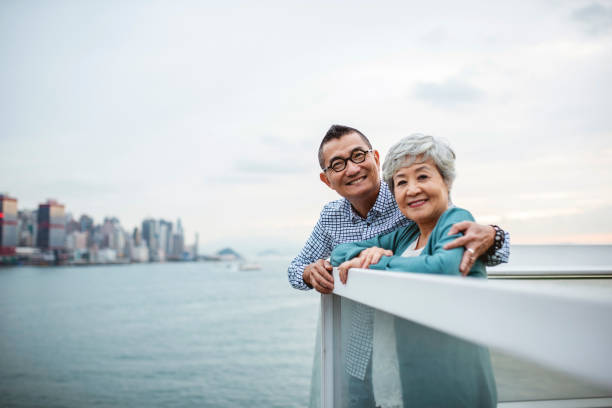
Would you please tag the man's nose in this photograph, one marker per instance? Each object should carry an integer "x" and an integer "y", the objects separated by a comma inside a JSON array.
[{"x": 352, "y": 168}]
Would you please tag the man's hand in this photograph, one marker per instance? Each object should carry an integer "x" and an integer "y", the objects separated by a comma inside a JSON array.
[
  {"x": 476, "y": 239},
  {"x": 318, "y": 275}
]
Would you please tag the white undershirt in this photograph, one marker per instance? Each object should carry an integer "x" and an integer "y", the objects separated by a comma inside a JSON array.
[{"x": 411, "y": 251}]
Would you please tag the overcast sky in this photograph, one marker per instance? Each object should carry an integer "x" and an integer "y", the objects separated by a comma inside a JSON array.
[{"x": 213, "y": 112}]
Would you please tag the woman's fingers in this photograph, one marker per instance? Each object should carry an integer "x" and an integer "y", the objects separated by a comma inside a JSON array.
[
  {"x": 367, "y": 261},
  {"x": 343, "y": 272}
]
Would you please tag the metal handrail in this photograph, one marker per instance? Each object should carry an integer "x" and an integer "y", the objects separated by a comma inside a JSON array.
[{"x": 561, "y": 327}]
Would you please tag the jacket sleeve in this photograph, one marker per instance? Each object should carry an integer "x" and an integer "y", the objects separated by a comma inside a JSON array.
[
  {"x": 441, "y": 261},
  {"x": 345, "y": 252}
]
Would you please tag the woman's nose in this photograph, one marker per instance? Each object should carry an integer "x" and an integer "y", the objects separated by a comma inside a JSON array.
[{"x": 413, "y": 189}]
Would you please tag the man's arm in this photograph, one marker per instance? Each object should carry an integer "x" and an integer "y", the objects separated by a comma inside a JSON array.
[
  {"x": 477, "y": 239},
  {"x": 310, "y": 269}
]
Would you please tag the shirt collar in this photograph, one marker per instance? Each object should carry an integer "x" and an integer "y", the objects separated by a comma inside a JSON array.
[{"x": 384, "y": 199}]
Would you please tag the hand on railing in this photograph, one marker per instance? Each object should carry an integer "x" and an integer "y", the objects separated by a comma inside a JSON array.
[
  {"x": 367, "y": 257},
  {"x": 318, "y": 276}
]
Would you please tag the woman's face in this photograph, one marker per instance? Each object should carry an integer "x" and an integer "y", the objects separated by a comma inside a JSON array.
[{"x": 420, "y": 192}]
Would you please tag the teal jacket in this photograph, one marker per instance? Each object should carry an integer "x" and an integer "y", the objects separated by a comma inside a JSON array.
[
  {"x": 433, "y": 259},
  {"x": 436, "y": 369}
]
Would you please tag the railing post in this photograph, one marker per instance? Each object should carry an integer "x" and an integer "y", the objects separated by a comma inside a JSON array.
[{"x": 330, "y": 350}]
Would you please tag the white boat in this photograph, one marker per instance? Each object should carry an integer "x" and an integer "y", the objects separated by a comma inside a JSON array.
[{"x": 249, "y": 267}]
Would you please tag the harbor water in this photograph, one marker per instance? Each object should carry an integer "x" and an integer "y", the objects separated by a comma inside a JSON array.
[{"x": 172, "y": 334}]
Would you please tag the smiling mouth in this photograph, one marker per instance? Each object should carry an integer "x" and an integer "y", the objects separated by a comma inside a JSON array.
[
  {"x": 356, "y": 181},
  {"x": 416, "y": 204}
]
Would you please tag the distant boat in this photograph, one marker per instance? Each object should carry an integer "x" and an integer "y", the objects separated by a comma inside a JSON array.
[{"x": 249, "y": 267}]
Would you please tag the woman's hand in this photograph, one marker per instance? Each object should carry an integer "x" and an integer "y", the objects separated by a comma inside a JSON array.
[
  {"x": 371, "y": 256},
  {"x": 345, "y": 266},
  {"x": 367, "y": 257}
]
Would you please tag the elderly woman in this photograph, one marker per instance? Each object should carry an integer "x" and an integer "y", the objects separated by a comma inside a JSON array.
[{"x": 435, "y": 369}]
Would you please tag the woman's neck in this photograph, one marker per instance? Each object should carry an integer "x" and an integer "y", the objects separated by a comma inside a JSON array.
[
  {"x": 426, "y": 227},
  {"x": 425, "y": 230}
]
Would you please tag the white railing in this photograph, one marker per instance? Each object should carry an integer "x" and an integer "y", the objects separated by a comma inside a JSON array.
[{"x": 565, "y": 325}]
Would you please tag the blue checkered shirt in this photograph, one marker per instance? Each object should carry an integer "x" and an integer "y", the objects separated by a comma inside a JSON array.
[{"x": 339, "y": 224}]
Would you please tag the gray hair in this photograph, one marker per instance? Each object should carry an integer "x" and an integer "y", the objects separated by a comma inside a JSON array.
[{"x": 418, "y": 146}]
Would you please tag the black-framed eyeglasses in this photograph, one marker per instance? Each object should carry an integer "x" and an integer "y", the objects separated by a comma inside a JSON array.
[{"x": 357, "y": 156}]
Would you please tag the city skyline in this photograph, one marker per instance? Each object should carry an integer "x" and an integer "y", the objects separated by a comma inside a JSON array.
[
  {"x": 215, "y": 111},
  {"x": 49, "y": 234}
]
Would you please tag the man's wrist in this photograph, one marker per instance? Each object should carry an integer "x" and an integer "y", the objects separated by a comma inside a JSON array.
[{"x": 498, "y": 240}]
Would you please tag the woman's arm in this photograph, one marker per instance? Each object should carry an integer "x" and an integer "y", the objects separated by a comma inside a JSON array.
[
  {"x": 345, "y": 252},
  {"x": 444, "y": 262},
  {"x": 441, "y": 261}
]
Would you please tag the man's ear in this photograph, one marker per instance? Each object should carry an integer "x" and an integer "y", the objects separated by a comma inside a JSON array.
[
  {"x": 325, "y": 180},
  {"x": 376, "y": 157}
]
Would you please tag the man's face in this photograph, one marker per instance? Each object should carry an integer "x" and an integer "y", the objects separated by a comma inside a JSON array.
[{"x": 356, "y": 181}]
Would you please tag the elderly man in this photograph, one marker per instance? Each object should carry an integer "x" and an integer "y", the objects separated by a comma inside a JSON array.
[{"x": 352, "y": 168}]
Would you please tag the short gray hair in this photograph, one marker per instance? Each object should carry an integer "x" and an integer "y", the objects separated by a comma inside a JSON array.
[{"x": 405, "y": 152}]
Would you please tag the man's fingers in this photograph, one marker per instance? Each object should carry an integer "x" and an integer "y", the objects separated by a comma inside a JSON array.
[
  {"x": 459, "y": 227},
  {"x": 319, "y": 283},
  {"x": 321, "y": 289},
  {"x": 467, "y": 262},
  {"x": 459, "y": 242},
  {"x": 327, "y": 265},
  {"x": 323, "y": 279}
]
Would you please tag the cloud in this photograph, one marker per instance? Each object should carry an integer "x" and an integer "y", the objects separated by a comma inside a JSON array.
[
  {"x": 269, "y": 167},
  {"x": 447, "y": 94},
  {"x": 594, "y": 18}
]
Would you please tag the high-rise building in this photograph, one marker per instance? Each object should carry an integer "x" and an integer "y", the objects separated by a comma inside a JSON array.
[
  {"x": 51, "y": 225},
  {"x": 149, "y": 233},
  {"x": 8, "y": 224},
  {"x": 27, "y": 227},
  {"x": 165, "y": 236},
  {"x": 177, "y": 241}
]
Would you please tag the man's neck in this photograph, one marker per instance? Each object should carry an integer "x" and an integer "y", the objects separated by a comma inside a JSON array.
[{"x": 363, "y": 205}]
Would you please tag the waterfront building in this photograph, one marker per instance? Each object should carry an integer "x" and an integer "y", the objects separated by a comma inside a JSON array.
[
  {"x": 149, "y": 235},
  {"x": 8, "y": 225},
  {"x": 26, "y": 228},
  {"x": 76, "y": 240},
  {"x": 177, "y": 246},
  {"x": 71, "y": 224},
  {"x": 177, "y": 242},
  {"x": 165, "y": 238},
  {"x": 76, "y": 243},
  {"x": 140, "y": 253},
  {"x": 51, "y": 226},
  {"x": 87, "y": 225},
  {"x": 137, "y": 237}
]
